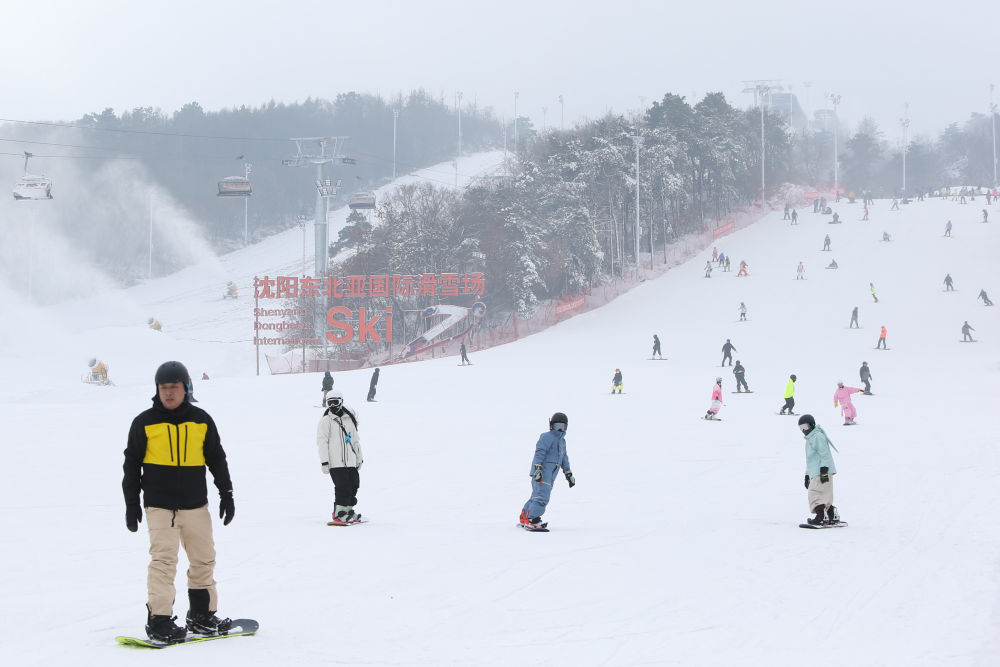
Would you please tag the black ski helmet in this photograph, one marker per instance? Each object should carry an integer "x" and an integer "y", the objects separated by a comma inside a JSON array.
[
  {"x": 558, "y": 418},
  {"x": 809, "y": 420},
  {"x": 175, "y": 371},
  {"x": 793, "y": 377}
]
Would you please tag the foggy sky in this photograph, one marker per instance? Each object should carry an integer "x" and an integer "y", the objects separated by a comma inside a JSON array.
[{"x": 79, "y": 57}]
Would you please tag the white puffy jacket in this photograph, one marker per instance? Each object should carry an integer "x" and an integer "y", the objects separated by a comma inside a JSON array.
[{"x": 338, "y": 442}]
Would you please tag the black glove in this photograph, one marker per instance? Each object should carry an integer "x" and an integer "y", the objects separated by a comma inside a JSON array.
[
  {"x": 226, "y": 506},
  {"x": 537, "y": 474},
  {"x": 133, "y": 516},
  {"x": 807, "y": 481},
  {"x": 570, "y": 479},
  {"x": 823, "y": 476}
]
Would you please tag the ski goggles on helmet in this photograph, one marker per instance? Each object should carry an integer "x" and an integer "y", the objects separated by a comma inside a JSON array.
[
  {"x": 805, "y": 427},
  {"x": 559, "y": 426},
  {"x": 334, "y": 402}
]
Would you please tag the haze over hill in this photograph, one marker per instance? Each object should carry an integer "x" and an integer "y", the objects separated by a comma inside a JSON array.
[{"x": 679, "y": 543}]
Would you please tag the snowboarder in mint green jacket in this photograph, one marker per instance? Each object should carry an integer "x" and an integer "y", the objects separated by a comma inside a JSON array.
[{"x": 820, "y": 470}]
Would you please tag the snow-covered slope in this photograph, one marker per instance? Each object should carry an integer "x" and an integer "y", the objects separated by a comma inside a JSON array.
[{"x": 679, "y": 544}]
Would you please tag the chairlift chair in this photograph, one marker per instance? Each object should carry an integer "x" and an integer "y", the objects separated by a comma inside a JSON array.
[
  {"x": 235, "y": 186},
  {"x": 362, "y": 201},
  {"x": 32, "y": 186}
]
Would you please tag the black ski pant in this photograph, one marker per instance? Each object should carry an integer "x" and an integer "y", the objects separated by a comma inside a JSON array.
[
  {"x": 371, "y": 393},
  {"x": 789, "y": 404},
  {"x": 346, "y": 482},
  {"x": 727, "y": 355},
  {"x": 868, "y": 385},
  {"x": 740, "y": 382},
  {"x": 656, "y": 350}
]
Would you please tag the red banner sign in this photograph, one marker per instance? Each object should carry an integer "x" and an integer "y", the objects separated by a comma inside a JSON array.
[{"x": 343, "y": 287}]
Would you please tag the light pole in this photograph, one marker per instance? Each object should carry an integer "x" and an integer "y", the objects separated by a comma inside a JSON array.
[
  {"x": 637, "y": 140},
  {"x": 905, "y": 122},
  {"x": 835, "y": 99},
  {"x": 761, "y": 90},
  {"x": 516, "y": 95},
  {"x": 247, "y": 168},
  {"x": 150, "y": 269},
  {"x": 395, "y": 117},
  {"x": 993, "y": 121},
  {"x": 562, "y": 115},
  {"x": 458, "y": 96}
]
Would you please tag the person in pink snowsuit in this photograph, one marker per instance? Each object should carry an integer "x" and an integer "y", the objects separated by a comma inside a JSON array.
[
  {"x": 716, "y": 400},
  {"x": 843, "y": 397}
]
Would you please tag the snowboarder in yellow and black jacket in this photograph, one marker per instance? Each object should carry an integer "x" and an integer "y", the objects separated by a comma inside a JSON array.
[{"x": 169, "y": 447}]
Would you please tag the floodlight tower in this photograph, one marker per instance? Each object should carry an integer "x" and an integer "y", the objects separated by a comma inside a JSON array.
[
  {"x": 905, "y": 123},
  {"x": 835, "y": 100},
  {"x": 330, "y": 151},
  {"x": 993, "y": 121}
]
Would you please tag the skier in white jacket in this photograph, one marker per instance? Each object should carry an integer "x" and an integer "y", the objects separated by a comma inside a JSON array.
[{"x": 339, "y": 447}]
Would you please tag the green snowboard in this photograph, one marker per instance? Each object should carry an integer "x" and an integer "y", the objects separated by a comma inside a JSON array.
[{"x": 242, "y": 627}]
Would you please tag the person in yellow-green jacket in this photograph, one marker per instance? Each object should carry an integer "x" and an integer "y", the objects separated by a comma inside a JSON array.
[
  {"x": 169, "y": 447},
  {"x": 789, "y": 396}
]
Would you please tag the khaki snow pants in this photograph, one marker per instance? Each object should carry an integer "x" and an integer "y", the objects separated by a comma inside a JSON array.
[
  {"x": 169, "y": 529},
  {"x": 820, "y": 493}
]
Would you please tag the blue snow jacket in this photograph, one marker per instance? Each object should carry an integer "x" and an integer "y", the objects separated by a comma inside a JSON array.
[
  {"x": 550, "y": 451},
  {"x": 818, "y": 452}
]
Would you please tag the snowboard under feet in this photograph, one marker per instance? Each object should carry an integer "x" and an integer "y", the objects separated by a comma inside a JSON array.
[
  {"x": 839, "y": 524},
  {"x": 364, "y": 519},
  {"x": 741, "y": 392},
  {"x": 532, "y": 529},
  {"x": 242, "y": 627},
  {"x": 786, "y": 414}
]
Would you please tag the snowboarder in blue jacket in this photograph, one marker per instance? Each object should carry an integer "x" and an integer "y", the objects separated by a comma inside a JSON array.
[
  {"x": 550, "y": 456},
  {"x": 820, "y": 470}
]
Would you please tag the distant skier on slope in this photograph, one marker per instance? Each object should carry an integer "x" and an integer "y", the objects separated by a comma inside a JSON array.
[
  {"x": 713, "y": 410},
  {"x": 789, "y": 396},
  {"x": 947, "y": 229},
  {"x": 820, "y": 470},
  {"x": 881, "y": 339},
  {"x": 743, "y": 311},
  {"x": 842, "y": 396},
  {"x": 984, "y": 297},
  {"x": 795, "y": 217},
  {"x": 465, "y": 354},
  {"x": 986, "y": 216},
  {"x": 854, "y": 319},
  {"x": 708, "y": 269},
  {"x": 550, "y": 456},
  {"x": 656, "y": 347},
  {"x": 727, "y": 352},
  {"x": 826, "y": 242},
  {"x": 967, "y": 332},
  {"x": 743, "y": 269},
  {"x": 871, "y": 287},
  {"x": 866, "y": 377},
  {"x": 372, "y": 386},
  {"x": 739, "y": 371},
  {"x": 327, "y": 386},
  {"x": 800, "y": 272},
  {"x": 616, "y": 381},
  {"x": 948, "y": 287}
]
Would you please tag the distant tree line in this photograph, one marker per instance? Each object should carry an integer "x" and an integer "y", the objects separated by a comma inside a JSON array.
[{"x": 562, "y": 219}]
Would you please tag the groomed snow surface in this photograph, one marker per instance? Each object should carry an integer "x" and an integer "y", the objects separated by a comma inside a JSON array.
[{"x": 678, "y": 546}]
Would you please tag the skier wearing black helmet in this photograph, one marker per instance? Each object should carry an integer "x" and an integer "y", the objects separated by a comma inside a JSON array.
[
  {"x": 169, "y": 447},
  {"x": 550, "y": 456},
  {"x": 820, "y": 470}
]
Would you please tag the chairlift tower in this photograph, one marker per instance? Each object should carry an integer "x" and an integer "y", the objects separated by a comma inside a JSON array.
[{"x": 330, "y": 150}]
